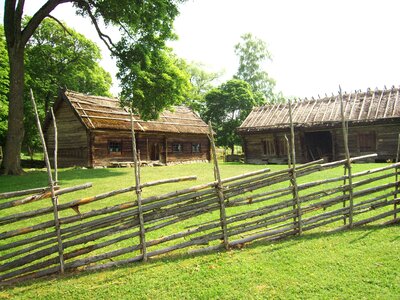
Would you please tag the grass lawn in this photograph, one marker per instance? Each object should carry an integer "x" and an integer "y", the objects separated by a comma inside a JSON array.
[{"x": 363, "y": 263}]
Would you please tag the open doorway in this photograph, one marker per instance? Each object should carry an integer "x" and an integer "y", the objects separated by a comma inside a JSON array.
[
  {"x": 155, "y": 152},
  {"x": 319, "y": 145}
]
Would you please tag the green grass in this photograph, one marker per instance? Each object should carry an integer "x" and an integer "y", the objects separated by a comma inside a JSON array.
[{"x": 359, "y": 264}]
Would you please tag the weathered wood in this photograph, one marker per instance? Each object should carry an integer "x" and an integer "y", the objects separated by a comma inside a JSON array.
[
  {"x": 371, "y": 219},
  {"x": 292, "y": 173},
  {"x": 262, "y": 235},
  {"x": 44, "y": 195},
  {"x": 348, "y": 162},
  {"x": 138, "y": 192},
  {"x": 396, "y": 170},
  {"x": 55, "y": 145},
  {"x": 352, "y": 159},
  {"x": 219, "y": 188},
  {"x": 54, "y": 198},
  {"x": 13, "y": 194}
]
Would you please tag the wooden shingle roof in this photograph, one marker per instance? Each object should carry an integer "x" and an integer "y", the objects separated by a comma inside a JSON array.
[
  {"x": 98, "y": 112},
  {"x": 359, "y": 107}
]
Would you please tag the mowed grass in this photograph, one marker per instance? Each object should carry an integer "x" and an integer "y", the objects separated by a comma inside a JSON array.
[{"x": 363, "y": 263}]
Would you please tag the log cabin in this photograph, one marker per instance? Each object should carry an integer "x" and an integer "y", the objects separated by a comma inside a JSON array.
[
  {"x": 96, "y": 131},
  {"x": 373, "y": 119}
]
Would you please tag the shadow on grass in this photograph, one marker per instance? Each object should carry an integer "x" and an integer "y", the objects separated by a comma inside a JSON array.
[
  {"x": 39, "y": 178},
  {"x": 74, "y": 174},
  {"x": 175, "y": 258}
]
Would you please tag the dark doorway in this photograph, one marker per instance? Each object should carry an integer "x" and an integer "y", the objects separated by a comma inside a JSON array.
[
  {"x": 155, "y": 152},
  {"x": 319, "y": 145}
]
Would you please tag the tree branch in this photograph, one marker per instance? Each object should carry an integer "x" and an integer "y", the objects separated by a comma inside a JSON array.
[
  {"x": 38, "y": 17},
  {"x": 9, "y": 26},
  {"x": 60, "y": 23},
  {"x": 18, "y": 15},
  {"x": 105, "y": 38}
]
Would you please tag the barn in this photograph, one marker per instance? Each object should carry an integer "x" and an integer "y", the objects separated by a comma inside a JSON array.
[
  {"x": 373, "y": 120},
  {"x": 95, "y": 131}
]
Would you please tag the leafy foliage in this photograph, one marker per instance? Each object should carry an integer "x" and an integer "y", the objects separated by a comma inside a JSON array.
[
  {"x": 252, "y": 52},
  {"x": 201, "y": 84},
  {"x": 4, "y": 86},
  {"x": 145, "y": 26},
  {"x": 227, "y": 107},
  {"x": 150, "y": 77},
  {"x": 57, "y": 56},
  {"x": 151, "y": 80}
]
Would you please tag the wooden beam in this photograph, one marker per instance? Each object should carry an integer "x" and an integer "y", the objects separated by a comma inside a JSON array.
[
  {"x": 219, "y": 189},
  {"x": 370, "y": 104},
  {"x": 395, "y": 102},
  {"x": 258, "y": 115},
  {"x": 321, "y": 103},
  {"x": 362, "y": 106},
  {"x": 332, "y": 115},
  {"x": 54, "y": 198},
  {"x": 157, "y": 122},
  {"x": 138, "y": 192},
  {"x": 387, "y": 103},
  {"x": 292, "y": 173},
  {"x": 348, "y": 161},
  {"x": 379, "y": 103},
  {"x": 309, "y": 113},
  {"x": 55, "y": 146},
  {"x": 86, "y": 115},
  {"x": 352, "y": 107}
]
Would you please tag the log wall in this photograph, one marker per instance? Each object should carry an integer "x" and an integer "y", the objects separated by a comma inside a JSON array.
[
  {"x": 150, "y": 146},
  {"x": 73, "y": 149},
  {"x": 385, "y": 136}
]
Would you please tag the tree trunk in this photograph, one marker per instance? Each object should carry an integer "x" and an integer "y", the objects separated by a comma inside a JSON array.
[
  {"x": 12, "y": 154},
  {"x": 232, "y": 149}
]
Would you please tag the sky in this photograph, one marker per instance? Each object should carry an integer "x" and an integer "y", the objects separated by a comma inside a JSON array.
[{"x": 315, "y": 45}]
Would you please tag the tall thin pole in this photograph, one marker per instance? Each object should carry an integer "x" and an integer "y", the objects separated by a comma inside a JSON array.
[
  {"x": 293, "y": 171},
  {"x": 347, "y": 154},
  {"x": 219, "y": 188},
  {"x": 138, "y": 191},
  {"x": 397, "y": 175},
  {"x": 54, "y": 198},
  {"x": 55, "y": 147}
]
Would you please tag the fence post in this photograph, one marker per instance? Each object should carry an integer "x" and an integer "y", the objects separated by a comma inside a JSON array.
[
  {"x": 219, "y": 188},
  {"x": 138, "y": 191},
  {"x": 396, "y": 170},
  {"x": 292, "y": 173},
  {"x": 55, "y": 146},
  {"x": 54, "y": 198},
  {"x": 345, "y": 131}
]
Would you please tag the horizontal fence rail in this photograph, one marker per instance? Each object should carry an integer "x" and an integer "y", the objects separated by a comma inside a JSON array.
[{"x": 97, "y": 233}]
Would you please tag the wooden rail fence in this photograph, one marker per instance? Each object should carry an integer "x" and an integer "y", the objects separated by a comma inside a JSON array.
[
  {"x": 121, "y": 226},
  {"x": 258, "y": 205}
]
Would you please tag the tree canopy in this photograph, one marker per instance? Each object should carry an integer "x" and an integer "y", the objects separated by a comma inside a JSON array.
[
  {"x": 252, "y": 52},
  {"x": 144, "y": 25},
  {"x": 227, "y": 107},
  {"x": 201, "y": 83},
  {"x": 57, "y": 56}
]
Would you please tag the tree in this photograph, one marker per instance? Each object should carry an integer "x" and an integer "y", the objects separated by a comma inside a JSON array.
[
  {"x": 252, "y": 52},
  {"x": 227, "y": 107},
  {"x": 201, "y": 84},
  {"x": 146, "y": 23},
  {"x": 57, "y": 56},
  {"x": 4, "y": 83},
  {"x": 158, "y": 81}
]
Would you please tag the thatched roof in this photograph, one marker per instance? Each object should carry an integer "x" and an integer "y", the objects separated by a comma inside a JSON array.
[
  {"x": 359, "y": 107},
  {"x": 106, "y": 113}
]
